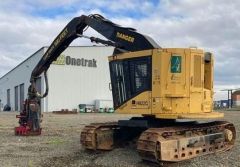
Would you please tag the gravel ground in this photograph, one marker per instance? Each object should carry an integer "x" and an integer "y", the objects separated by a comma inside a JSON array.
[{"x": 59, "y": 145}]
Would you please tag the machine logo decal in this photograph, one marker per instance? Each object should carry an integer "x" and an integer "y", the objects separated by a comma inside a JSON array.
[
  {"x": 176, "y": 63},
  {"x": 125, "y": 37},
  {"x": 141, "y": 103}
]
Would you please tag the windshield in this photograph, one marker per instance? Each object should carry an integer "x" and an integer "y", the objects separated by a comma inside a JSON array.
[{"x": 129, "y": 77}]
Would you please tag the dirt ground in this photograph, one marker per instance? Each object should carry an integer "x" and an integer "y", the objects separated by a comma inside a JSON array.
[{"x": 59, "y": 145}]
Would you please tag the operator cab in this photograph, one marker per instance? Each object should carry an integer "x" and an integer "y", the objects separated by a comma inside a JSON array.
[{"x": 130, "y": 77}]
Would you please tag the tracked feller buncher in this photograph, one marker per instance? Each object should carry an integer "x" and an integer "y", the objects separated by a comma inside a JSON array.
[{"x": 165, "y": 86}]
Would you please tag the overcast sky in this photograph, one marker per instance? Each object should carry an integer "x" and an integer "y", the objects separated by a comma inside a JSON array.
[{"x": 27, "y": 25}]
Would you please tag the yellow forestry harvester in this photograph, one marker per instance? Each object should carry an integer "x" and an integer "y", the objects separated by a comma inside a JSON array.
[{"x": 164, "y": 85}]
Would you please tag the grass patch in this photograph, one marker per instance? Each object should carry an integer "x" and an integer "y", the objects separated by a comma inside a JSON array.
[
  {"x": 56, "y": 141},
  {"x": 30, "y": 163}
]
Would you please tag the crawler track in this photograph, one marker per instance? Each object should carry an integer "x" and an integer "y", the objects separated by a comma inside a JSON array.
[
  {"x": 98, "y": 136},
  {"x": 164, "y": 144},
  {"x": 175, "y": 144}
]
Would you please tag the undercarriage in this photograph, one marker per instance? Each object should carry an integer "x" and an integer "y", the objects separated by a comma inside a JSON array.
[{"x": 159, "y": 140}]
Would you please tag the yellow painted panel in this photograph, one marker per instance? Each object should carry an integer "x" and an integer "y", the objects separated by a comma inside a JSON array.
[
  {"x": 156, "y": 73},
  {"x": 174, "y": 84},
  {"x": 194, "y": 116},
  {"x": 140, "y": 104},
  {"x": 177, "y": 93},
  {"x": 180, "y": 105},
  {"x": 196, "y": 102}
]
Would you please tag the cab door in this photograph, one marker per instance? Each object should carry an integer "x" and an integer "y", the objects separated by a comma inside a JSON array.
[{"x": 196, "y": 82}]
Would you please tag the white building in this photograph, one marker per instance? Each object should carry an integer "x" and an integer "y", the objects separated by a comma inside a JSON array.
[{"x": 79, "y": 76}]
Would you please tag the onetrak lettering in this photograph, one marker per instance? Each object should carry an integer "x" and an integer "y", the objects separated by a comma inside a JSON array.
[{"x": 81, "y": 62}]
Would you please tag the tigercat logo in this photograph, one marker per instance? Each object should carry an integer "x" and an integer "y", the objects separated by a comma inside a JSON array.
[
  {"x": 140, "y": 103},
  {"x": 125, "y": 37},
  {"x": 176, "y": 63}
]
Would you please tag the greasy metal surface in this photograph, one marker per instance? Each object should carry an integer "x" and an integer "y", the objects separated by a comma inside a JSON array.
[
  {"x": 98, "y": 136},
  {"x": 175, "y": 144}
]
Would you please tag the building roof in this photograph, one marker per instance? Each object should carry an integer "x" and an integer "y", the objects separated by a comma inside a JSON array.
[
  {"x": 237, "y": 92},
  {"x": 37, "y": 52},
  {"x": 22, "y": 62}
]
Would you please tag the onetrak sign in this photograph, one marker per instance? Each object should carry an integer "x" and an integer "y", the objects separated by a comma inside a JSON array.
[{"x": 67, "y": 60}]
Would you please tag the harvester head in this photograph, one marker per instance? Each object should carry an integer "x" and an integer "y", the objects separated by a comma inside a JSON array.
[{"x": 29, "y": 119}]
